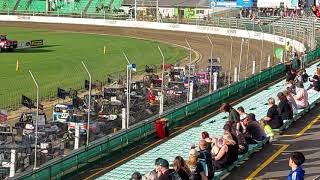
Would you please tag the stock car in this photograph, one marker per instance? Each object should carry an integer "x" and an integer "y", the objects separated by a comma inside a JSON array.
[
  {"x": 61, "y": 112},
  {"x": 6, "y": 44}
]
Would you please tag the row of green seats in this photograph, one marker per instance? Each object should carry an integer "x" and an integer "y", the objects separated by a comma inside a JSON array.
[
  {"x": 99, "y": 6},
  {"x": 23, "y": 5}
]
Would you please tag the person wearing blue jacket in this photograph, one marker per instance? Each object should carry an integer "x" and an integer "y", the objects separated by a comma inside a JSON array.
[{"x": 295, "y": 162}]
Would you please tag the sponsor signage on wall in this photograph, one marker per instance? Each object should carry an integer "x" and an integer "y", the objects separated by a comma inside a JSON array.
[
  {"x": 276, "y": 3},
  {"x": 222, "y": 3},
  {"x": 230, "y": 3}
]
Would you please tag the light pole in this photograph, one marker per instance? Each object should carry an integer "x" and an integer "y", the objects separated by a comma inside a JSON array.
[
  {"x": 261, "y": 51},
  {"x": 273, "y": 44},
  {"x": 162, "y": 82},
  {"x": 89, "y": 103},
  {"x": 128, "y": 90},
  {"x": 157, "y": 10},
  {"x": 248, "y": 49},
  {"x": 37, "y": 118},
  {"x": 190, "y": 54},
  {"x": 230, "y": 62},
  {"x": 210, "y": 70},
  {"x": 130, "y": 68},
  {"x": 135, "y": 10},
  {"x": 239, "y": 68}
]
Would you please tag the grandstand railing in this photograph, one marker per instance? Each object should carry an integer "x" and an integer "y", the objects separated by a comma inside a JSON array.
[{"x": 106, "y": 147}]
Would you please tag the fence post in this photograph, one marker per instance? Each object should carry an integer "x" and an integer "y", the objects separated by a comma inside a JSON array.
[
  {"x": 235, "y": 74},
  {"x": 269, "y": 61},
  {"x": 253, "y": 67}
]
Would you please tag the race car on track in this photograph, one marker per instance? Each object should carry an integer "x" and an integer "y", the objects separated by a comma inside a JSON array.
[{"x": 6, "y": 44}]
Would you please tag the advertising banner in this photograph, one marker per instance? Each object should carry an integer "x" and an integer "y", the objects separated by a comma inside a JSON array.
[
  {"x": 276, "y": 3},
  {"x": 231, "y": 3},
  {"x": 36, "y": 43},
  {"x": 222, "y": 3},
  {"x": 244, "y": 3},
  {"x": 278, "y": 52}
]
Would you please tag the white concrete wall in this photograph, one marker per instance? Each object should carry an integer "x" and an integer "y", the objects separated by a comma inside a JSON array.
[{"x": 159, "y": 26}]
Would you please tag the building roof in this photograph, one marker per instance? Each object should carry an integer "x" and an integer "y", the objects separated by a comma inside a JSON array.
[{"x": 168, "y": 3}]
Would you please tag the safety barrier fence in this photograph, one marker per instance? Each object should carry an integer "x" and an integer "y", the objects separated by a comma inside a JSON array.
[{"x": 106, "y": 147}]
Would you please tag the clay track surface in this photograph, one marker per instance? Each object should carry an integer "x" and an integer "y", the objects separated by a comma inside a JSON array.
[{"x": 199, "y": 42}]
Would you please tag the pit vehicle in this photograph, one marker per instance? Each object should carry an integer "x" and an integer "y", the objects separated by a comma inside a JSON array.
[
  {"x": 176, "y": 88},
  {"x": 215, "y": 66},
  {"x": 6, "y": 44},
  {"x": 61, "y": 112},
  {"x": 203, "y": 78},
  {"x": 193, "y": 79},
  {"x": 177, "y": 73},
  {"x": 82, "y": 122}
]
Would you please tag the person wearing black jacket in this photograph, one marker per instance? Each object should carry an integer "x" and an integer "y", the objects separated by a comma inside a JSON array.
[
  {"x": 315, "y": 83},
  {"x": 205, "y": 154},
  {"x": 284, "y": 107},
  {"x": 254, "y": 131},
  {"x": 273, "y": 118},
  {"x": 291, "y": 75}
]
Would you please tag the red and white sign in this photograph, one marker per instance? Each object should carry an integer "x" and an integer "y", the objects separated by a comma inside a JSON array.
[{"x": 3, "y": 116}]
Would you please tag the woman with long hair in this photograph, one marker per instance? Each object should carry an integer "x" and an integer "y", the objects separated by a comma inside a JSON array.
[
  {"x": 195, "y": 167},
  {"x": 226, "y": 154},
  {"x": 179, "y": 165}
]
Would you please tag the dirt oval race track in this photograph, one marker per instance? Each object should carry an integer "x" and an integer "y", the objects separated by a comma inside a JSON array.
[{"x": 198, "y": 42}]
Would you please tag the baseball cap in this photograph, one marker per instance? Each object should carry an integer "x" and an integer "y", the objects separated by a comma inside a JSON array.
[
  {"x": 157, "y": 161},
  {"x": 193, "y": 152},
  {"x": 163, "y": 163}
]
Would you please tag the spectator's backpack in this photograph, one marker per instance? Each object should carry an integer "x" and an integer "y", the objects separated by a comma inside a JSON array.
[
  {"x": 174, "y": 176},
  {"x": 194, "y": 175},
  {"x": 205, "y": 159}
]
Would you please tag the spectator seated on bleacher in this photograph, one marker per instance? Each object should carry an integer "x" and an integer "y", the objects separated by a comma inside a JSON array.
[
  {"x": 301, "y": 98},
  {"x": 152, "y": 175},
  {"x": 291, "y": 101},
  {"x": 268, "y": 130},
  {"x": 164, "y": 173},
  {"x": 234, "y": 116},
  {"x": 237, "y": 136},
  {"x": 299, "y": 76},
  {"x": 180, "y": 166},
  {"x": 136, "y": 176},
  {"x": 315, "y": 86},
  {"x": 291, "y": 75},
  {"x": 254, "y": 132},
  {"x": 155, "y": 170},
  {"x": 304, "y": 75},
  {"x": 224, "y": 153},
  {"x": 205, "y": 158},
  {"x": 243, "y": 115},
  {"x": 291, "y": 87},
  {"x": 284, "y": 107},
  {"x": 273, "y": 118},
  {"x": 195, "y": 167},
  {"x": 205, "y": 136}
]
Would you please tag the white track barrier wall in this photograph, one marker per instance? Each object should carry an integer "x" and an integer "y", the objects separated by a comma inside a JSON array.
[{"x": 159, "y": 26}]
